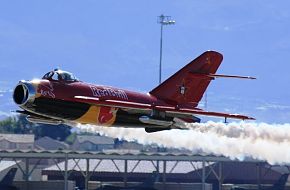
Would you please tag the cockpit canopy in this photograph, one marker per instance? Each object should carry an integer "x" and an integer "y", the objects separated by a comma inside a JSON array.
[{"x": 59, "y": 75}]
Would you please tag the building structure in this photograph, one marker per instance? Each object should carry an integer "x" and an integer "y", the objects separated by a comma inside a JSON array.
[
  {"x": 16, "y": 141},
  {"x": 47, "y": 143},
  {"x": 92, "y": 143}
]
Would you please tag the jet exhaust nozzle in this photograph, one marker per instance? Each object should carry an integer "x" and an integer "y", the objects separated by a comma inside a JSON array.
[{"x": 24, "y": 93}]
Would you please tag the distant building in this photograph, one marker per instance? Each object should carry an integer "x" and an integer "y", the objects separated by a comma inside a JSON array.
[
  {"x": 92, "y": 143},
  {"x": 16, "y": 141},
  {"x": 122, "y": 144},
  {"x": 47, "y": 143}
]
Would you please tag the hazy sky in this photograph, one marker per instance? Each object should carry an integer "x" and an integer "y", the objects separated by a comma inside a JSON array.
[{"x": 117, "y": 43}]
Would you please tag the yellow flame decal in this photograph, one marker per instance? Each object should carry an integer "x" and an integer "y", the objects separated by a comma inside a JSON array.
[{"x": 96, "y": 116}]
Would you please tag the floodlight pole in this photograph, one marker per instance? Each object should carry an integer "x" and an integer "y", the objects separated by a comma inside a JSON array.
[
  {"x": 163, "y": 20},
  {"x": 160, "y": 60}
]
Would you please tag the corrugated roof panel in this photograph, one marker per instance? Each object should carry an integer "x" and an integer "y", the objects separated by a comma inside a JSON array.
[{"x": 17, "y": 138}]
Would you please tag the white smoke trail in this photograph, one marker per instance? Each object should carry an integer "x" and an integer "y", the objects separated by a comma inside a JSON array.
[
  {"x": 274, "y": 132},
  {"x": 235, "y": 140}
]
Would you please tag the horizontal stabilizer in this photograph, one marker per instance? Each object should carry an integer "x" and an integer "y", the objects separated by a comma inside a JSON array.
[
  {"x": 231, "y": 76},
  {"x": 213, "y": 76}
]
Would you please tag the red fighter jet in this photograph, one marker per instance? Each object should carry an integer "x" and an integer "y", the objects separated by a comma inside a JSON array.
[{"x": 59, "y": 97}]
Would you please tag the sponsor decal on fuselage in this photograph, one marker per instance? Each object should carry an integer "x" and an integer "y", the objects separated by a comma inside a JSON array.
[
  {"x": 46, "y": 90},
  {"x": 108, "y": 92}
]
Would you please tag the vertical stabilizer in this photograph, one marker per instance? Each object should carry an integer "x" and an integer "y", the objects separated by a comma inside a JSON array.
[
  {"x": 9, "y": 177},
  {"x": 188, "y": 85}
]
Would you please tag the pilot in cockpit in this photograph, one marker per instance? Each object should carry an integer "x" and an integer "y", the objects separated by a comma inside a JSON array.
[{"x": 59, "y": 75}]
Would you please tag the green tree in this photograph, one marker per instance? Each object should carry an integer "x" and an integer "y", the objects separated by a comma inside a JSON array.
[
  {"x": 8, "y": 125},
  {"x": 58, "y": 132},
  {"x": 19, "y": 125},
  {"x": 71, "y": 138}
]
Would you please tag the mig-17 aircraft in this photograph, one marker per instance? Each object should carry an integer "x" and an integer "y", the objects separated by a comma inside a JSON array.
[{"x": 60, "y": 98}]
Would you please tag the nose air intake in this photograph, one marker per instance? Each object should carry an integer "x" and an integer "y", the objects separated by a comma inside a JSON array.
[{"x": 24, "y": 93}]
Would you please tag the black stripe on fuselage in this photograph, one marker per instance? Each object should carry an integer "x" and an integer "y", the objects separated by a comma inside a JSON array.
[
  {"x": 74, "y": 110},
  {"x": 60, "y": 108},
  {"x": 123, "y": 118}
]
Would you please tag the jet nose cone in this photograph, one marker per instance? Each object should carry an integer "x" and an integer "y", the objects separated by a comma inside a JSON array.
[{"x": 24, "y": 93}]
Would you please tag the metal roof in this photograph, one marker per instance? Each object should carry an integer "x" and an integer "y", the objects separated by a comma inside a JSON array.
[
  {"x": 134, "y": 166},
  {"x": 125, "y": 155},
  {"x": 4, "y": 164},
  {"x": 17, "y": 138},
  {"x": 48, "y": 143},
  {"x": 94, "y": 139}
]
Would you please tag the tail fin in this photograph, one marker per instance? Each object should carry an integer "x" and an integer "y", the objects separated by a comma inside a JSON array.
[
  {"x": 149, "y": 182},
  {"x": 280, "y": 184},
  {"x": 9, "y": 177},
  {"x": 189, "y": 83}
]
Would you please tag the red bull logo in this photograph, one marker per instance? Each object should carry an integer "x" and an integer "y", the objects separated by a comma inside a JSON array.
[{"x": 99, "y": 115}]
